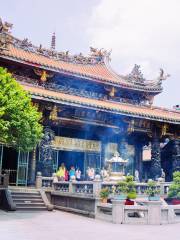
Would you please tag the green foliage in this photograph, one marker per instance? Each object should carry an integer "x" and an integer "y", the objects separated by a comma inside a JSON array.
[
  {"x": 174, "y": 189},
  {"x": 129, "y": 178},
  {"x": 104, "y": 193},
  {"x": 19, "y": 119},
  {"x": 131, "y": 187},
  {"x": 122, "y": 187},
  {"x": 152, "y": 189},
  {"x": 132, "y": 195},
  {"x": 127, "y": 187}
]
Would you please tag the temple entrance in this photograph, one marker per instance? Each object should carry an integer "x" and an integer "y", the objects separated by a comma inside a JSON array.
[
  {"x": 15, "y": 163},
  {"x": 71, "y": 158},
  {"x": 9, "y": 163}
]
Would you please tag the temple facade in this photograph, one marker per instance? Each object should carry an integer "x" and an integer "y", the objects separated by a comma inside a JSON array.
[{"x": 89, "y": 113}]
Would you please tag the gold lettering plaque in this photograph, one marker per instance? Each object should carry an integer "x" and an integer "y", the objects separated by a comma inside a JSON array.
[{"x": 75, "y": 144}]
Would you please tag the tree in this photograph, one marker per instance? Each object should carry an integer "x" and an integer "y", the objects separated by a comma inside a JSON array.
[{"x": 19, "y": 119}]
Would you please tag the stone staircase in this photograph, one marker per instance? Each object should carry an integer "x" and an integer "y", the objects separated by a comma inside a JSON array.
[{"x": 28, "y": 200}]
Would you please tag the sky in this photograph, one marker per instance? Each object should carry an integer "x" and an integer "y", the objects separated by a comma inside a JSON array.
[{"x": 144, "y": 32}]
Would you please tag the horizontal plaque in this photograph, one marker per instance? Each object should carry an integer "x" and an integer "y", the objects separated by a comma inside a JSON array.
[{"x": 75, "y": 144}]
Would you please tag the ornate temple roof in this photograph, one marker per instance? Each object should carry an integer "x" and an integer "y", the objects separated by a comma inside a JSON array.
[
  {"x": 94, "y": 67},
  {"x": 153, "y": 113}
]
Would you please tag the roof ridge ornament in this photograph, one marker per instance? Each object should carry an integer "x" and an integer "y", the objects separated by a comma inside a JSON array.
[
  {"x": 100, "y": 54},
  {"x": 136, "y": 75},
  {"x": 5, "y": 27},
  {"x": 53, "y": 41},
  {"x": 158, "y": 82},
  {"x": 5, "y": 34},
  {"x": 162, "y": 76}
]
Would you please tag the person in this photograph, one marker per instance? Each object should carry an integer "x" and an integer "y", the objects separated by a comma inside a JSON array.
[
  {"x": 78, "y": 174},
  {"x": 136, "y": 175},
  {"x": 104, "y": 173},
  {"x": 88, "y": 173},
  {"x": 91, "y": 174},
  {"x": 72, "y": 173},
  {"x": 61, "y": 172},
  {"x": 66, "y": 175}
]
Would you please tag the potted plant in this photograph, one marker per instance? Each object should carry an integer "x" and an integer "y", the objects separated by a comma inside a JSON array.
[
  {"x": 131, "y": 190},
  {"x": 121, "y": 190},
  {"x": 104, "y": 193},
  {"x": 152, "y": 191},
  {"x": 174, "y": 189}
]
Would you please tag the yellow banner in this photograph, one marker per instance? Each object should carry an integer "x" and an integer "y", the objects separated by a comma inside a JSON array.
[{"x": 75, "y": 144}]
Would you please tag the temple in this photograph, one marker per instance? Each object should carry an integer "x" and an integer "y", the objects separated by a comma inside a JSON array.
[{"x": 89, "y": 113}]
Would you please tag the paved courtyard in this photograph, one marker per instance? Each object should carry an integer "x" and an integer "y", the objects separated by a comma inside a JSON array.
[{"x": 66, "y": 226}]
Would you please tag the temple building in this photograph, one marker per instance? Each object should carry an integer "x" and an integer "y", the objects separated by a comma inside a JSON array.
[{"x": 89, "y": 113}]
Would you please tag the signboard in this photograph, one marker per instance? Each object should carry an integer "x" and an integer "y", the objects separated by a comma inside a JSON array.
[
  {"x": 146, "y": 155},
  {"x": 75, "y": 144}
]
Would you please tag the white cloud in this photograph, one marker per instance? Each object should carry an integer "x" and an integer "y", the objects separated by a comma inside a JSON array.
[{"x": 146, "y": 32}]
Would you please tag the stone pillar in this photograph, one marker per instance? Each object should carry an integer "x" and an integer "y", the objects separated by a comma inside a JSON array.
[
  {"x": 96, "y": 187},
  {"x": 71, "y": 187},
  {"x": 38, "y": 180},
  {"x": 6, "y": 180},
  {"x": 154, "y": 212},
  {"x": 118, "y": 211},
  {"x": 33, "y": 168},
  {"x": 176, "y": 155},
  {"x": 155, "y": 158}
]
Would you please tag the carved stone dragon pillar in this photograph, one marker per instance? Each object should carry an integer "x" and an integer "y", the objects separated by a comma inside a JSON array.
[
  {"x": 176, "y": 155},
  {"x": 155, "y": 157}
]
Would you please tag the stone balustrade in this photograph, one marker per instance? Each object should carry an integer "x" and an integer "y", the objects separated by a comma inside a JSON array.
[
  {"x": 47, "y": 182},
  {"x": 62, "y": 186},
  {"x": 153, "y": 212},
  {"x": 93, "y": 187},
  {"x": 84, "y": 187}
]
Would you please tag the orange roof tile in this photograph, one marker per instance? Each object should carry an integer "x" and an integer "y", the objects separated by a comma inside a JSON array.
[
  {"x": 154, "y": 113},
  {"x": 98, "y": 71}
]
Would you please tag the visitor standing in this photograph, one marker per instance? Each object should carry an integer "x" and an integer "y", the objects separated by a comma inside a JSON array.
[
  {"x": 72, "y": 173},
  {"x": 91, "y": 174},
  {"x": 78, "y": 174},
  {"x": 61, "y": 172}
]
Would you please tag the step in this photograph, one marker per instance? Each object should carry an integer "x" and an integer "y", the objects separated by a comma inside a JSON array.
[
  {"x": 30, "y": 205},
  {"x": 25, "y": 196},
  {"x": 31, "y": 208},
  {"x": 28, "y": 200},
  {"x": 25, "y": 193},
  {"x": 16, "y": 200}
]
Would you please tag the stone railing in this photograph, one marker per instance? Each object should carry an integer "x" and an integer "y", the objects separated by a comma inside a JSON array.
[
  {"x": 83, "y": 187},
  {"x": 47, "y": 182},
  {"x": 93, "y": 187},
  {"x": 4, "y": 180},
  {"x": 74, "y": 187},
  {"x": 62, "y": 186},
  {"x": 152, "y": 212}
]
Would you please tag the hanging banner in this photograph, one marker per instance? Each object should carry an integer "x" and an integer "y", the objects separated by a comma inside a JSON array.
[{"x": 75, "y": 144}]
